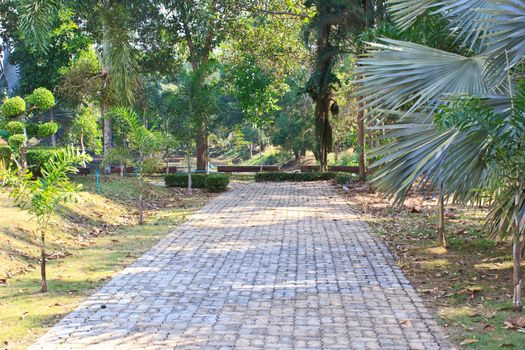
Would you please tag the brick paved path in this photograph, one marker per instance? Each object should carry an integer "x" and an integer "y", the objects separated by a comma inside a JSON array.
[{"x": 273, "y": 266}]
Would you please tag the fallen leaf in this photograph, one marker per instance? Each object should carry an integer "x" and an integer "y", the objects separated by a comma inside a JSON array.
[
  {"x": 406, "y": 323},
  {"x": 506, "y": 345},
  {"x": 518, "y": 322},
  {"x": 469, "y": 341}
]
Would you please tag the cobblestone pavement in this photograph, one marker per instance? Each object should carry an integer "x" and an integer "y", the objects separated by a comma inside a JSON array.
[{"x": 263, "y": 266}]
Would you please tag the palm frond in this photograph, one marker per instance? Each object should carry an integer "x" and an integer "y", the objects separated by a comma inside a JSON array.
[
  {"x": 507, "y": 35},
  {"x": 406, "y": 12},
  {"x": 9, "y": 73},
  {"x": 399, "y": 73},
  {"x": 118, "y": 54},
  {"x": 36, "y": 21}
]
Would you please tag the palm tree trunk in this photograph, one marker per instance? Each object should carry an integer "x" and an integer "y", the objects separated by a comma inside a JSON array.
[
  {"x": 441, "y": 238},
  {"x": 43, "y": 287},
  {"x": 107, "y": 137}
]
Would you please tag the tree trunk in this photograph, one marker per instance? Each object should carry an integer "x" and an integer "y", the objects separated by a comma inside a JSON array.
[
  {"x": 141, "y": 189},
  {"x": 43, "y": 284},
  {"x": 361, "y": 141},
  {"x": 53, "y": 137},
  {"x": 107, "y": 138},
  {"x": 189, "y": 173},
  {"x": 260, "y": 149},
  {"x": 517, "y": 304},
  {"x": 441, "y": 238},
  {"x": 202, "y": 148}
]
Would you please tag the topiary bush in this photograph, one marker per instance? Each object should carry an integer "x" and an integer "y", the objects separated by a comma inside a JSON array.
[
  {"x": 41, "y": 99},
  {"x": 47, "y": 129},
  {"x": 15, "y": 127},
  {"x": 217, "y": 183},
  {"x": 13, "y": 107},
  {"x": 181, "y": 180},
  {"x": 294, "y": 177},
  {"x": 17, "y": 140}
]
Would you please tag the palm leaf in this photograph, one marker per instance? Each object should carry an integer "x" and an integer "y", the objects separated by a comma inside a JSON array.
[
  {"x": 399, "y": 73},
  {"x": 406, "y": 12},
  {"x": 36, "y": 21}
]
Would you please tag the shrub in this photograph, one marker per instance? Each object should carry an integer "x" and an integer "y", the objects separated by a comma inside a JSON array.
[
  {"x": 344, "y": 178},
  {"x": 47, "y": 129},
  {"x": 5, "y": 153},
  {"x": 36, "y": 157},
  {"x": 13, "y": 107},
  {"x": 17, "y": 140},
  {"x": 181, "y": 180},
  {"x": 216, "y": 182},
  {"x": 15, "y": 127},
  {"x": 41, "y": 99},
  {"x": 295, "y": 177}
]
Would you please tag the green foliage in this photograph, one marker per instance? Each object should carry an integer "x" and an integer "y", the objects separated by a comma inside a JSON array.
[
  {"x": 17, "y": 140},
  {"x": 294, "y": 177},
  {"x": 32, "y": 129},
  {"x": 47, "y": 129},
  {"x": 37, "y": 157},
  {"x": 217, "y": 182},
  {"x": 13, "y": 107},
  {"x": 15, "y": 127},
  {"x": 86, "y": 130},
  {"x": 5, "y": 154},
  {"x": 181, "y": 180},
  {"x": 344, "y": 178},
  {"x": 41, "y": 99}
]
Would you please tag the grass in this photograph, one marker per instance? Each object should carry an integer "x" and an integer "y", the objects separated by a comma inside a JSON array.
[
  {"x": 95, "y": 239},
  {"x": 469, "y": 283}
]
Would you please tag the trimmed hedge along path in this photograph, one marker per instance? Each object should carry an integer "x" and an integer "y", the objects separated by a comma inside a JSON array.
[{"x": 263, "y": 266}]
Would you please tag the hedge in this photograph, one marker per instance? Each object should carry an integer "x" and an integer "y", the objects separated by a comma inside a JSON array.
[
  {"x": 181, "y": 180},
  {"x": 295, "y": 177},
  {"x": 345, "y": 178},
  {"x": 217, "y": 182}
]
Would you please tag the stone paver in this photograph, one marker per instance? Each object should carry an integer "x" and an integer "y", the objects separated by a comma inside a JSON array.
[{"x": 263, "y": 266}]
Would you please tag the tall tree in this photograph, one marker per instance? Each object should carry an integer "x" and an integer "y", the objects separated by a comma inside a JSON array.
[{"x": 330, "y": 33}]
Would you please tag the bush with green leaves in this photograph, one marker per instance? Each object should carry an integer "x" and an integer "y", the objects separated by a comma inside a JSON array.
[
  {"x": 47, "y": 129},
  {"x": 13, "y": 107},
  {"x": 344, "y": 178},
  {"x": 15, "y": 127},
  {"x": 41, "y": 99},
  {"x": 294, "y": 177},
  {"x": 16, "y": 141},
  {"x": 216, "y": 183},
  {"x": 181, "y": 180}
]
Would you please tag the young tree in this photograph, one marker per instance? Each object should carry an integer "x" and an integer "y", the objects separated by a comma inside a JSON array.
[
  {"x": 41, "y": 196},
  {"x": 141, "y": 141}
]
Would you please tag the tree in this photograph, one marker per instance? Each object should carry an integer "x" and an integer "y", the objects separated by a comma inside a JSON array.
[
  {"x": 85, "y": 130},
  {"x": 468, "y": 148},
  {"x": 141, "y": 141},
  {"x": 331, "y": 30},
  {"x": 257, "y": 95},
  {"x": 41, "y": 196}
]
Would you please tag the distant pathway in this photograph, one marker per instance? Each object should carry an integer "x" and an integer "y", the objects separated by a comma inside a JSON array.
[{"x": 263, "y": 266}]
